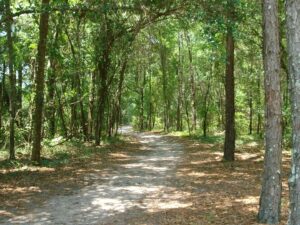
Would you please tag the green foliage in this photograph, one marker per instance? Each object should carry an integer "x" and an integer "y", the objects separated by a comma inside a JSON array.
[{"x": 163, "y": 44}]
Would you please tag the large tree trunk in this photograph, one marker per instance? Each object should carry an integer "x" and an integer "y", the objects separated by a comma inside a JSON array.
[
  {"x": 102, "y": 80},
  {"x": 39, "y": 84},
  {"x": 102, "y": 96},
  {"x": 270, "y": 198},
  {"x": 293, "y": 36},
  {"x": 12, "y": 79},
  {"x": 229, "y": 145}
]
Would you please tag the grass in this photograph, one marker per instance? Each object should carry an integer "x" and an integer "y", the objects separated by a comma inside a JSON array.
[
  {"x": 54, "y": 156},
  {"x": 217, "y": 138}
]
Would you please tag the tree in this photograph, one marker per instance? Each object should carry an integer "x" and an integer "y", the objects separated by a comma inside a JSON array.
[
  {"x": 229, "y": 144},
  {"x": 293, "y": 34},
  {"x": 270, "y": 198},
  {"x": 12, "y": 80},
  {"x": 40, "y": 83}
]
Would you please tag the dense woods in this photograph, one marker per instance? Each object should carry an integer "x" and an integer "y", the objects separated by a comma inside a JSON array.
[{"x": 79, "y": 70}]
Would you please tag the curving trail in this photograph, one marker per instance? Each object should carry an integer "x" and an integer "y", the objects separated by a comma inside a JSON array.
[{"x": 126, "y": 193}]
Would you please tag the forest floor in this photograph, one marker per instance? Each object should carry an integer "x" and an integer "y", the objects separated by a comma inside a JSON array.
[{"x": 148, "y": 179}]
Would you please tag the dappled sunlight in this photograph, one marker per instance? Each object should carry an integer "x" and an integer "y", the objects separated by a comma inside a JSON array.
[
  {"x": 248, "y": 200},
  {"x": 162, "y": 181},
  {"x": 146, "y": 185},
  {"x": 142, "y": 166},
  {"x": 250, "y": 156},
  {"x": 252, "y": 144},
  {"x": 22, "y": 189}
]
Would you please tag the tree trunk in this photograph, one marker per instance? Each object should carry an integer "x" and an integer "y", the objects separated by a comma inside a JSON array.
[
  {"x": 103, "y": 66},
  {"x": 91, "y": 114},
  {"x": 270, "y": 198},
  {"x": 51, "y": 98},
  {"x": 229, "y": 145},
  {"x": 193, "y": 85},
  {"x": 180, "y": 83},
  {"x": 74, "y": 119},
  {"x": 19, "y": 96},
  {"x": 2, "y": 90},
  {"x": 142, "y": 99},
  {"x": 120, "y": 91},
  {"x": 51, "y": 84},
  {"x": 187, "y": 117},
  {"x": 250, "y": 102},
  {"x": 61, "y": 112},
  {"x": 150, "y": 115},
  {"x": 163, "y": 61},
  {"x": 259, "y": 106},
  {"x": 206, "y": 108},
  {"x": 77, "y": 85},
  {"x": 293, "y": 36},
  {"x": 12, "y": 79},
  {"x": 102, "y": 95},
  {"x": 39, "y": 84}
]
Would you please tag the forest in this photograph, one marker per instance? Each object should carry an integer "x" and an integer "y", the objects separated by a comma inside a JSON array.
[{"x": 150, "y": 109}]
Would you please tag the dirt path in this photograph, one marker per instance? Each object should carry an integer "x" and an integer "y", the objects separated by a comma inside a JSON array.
[
  {"x": 150, "y": 179},
  {"x": 124, "y": 193}
]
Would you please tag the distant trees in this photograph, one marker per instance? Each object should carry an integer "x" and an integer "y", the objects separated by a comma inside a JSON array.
[{"x": 84, "y": 86}]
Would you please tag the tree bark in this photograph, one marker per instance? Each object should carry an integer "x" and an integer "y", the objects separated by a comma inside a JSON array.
[
  {"x": 103, "y": 66},
  {"x": 193, "y": 85},
  {"x": 293, "y": 37},
  {"x": 40, "y": 83},
  {"x": 51, "y": 98},
  {"x": 19, "y": 96},
  {"x": 102, "y": 95},
  {"x": 91, "y": 114},
  {"x": 61, "y": 112},
  {"x": 119, "y": 94},
  {"x": 163, "y": 61},
  {"x": 2, "y": 90},
  {"x": 206, "y": 106},
  {"x": 51, "y": 83},
  {"x": 229, "y": 145},
  {"x": 259, "y": 106},
  {"x": 180, "y": 84},
  {"x": 270, "y": 198},
  {"x": 12, "y": 79},
  {"x": 250, "y": 104}
]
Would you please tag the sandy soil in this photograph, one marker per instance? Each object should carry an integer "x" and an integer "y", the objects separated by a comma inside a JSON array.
[
  {"x": 151, "y": 180},
  {"x": 145, "y": 184}
]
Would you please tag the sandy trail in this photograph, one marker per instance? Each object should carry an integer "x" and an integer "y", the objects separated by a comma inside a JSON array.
[{"x": 147, "y": 184}]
